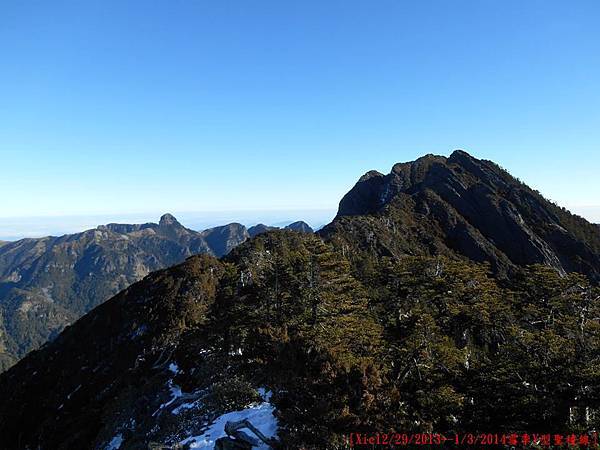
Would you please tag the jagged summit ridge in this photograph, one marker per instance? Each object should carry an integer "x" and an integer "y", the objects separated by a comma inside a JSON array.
[
  {"x": 374, "y": 189},
  {"x": 470, "y": 207}
]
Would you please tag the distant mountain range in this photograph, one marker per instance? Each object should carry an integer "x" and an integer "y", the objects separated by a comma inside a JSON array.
[
  {"x": 49, "y": 282},
  {"x": 383, "y": 320}
]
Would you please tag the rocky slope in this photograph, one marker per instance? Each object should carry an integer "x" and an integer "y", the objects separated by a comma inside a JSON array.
[
  {"x": 49, "y": 282},
  {"x": 222, "y": 240},
  {"x": 464, "y": 206}
]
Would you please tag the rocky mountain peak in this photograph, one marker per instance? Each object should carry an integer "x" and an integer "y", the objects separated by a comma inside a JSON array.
[
  {"x": 419, "y": 164},
  {"x": 467, "y": 206},
  {"x": 370, "y": 174},
  {"x": 374, "y": 190},
  {"x": 460, "y": 154},
  {"x": 167, "y": 220}
]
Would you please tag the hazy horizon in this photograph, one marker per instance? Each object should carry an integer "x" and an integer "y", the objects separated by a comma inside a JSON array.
[{"x": 15, "y": 228}]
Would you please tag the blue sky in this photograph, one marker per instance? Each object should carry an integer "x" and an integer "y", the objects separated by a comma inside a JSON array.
[{"x": 125, "y": 107}]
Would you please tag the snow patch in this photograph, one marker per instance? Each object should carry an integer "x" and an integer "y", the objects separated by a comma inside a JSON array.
[
  {"x": 175, "y": 394},
  {"x": 115, "y": 443},
  {"x": 185, "y": 406},
  {"x": 259, "y": 414}
]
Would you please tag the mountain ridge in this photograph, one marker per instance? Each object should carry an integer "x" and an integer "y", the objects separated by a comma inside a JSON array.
[
  {"x": 406, "y": 315},
  {"x": 461, "y": 205},
  {"x": 49, "y": 282}
]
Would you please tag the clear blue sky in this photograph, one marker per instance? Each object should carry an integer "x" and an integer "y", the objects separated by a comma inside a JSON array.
[{"x": 125, "y": 106}]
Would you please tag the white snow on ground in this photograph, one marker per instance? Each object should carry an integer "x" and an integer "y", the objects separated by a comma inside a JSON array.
[
  {"x": 184, "y": 406},
  {"x": 260, "y": 414},
  {"x": 175, "y": 394},
  {"x": 174, "y": 368},
  {"x": 115, "y": 443}
]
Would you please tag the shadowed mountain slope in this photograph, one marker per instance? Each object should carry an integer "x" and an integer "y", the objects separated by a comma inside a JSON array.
[
  {"x": 103, "y": 357},
  {"x": 467, "y": 207}
]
